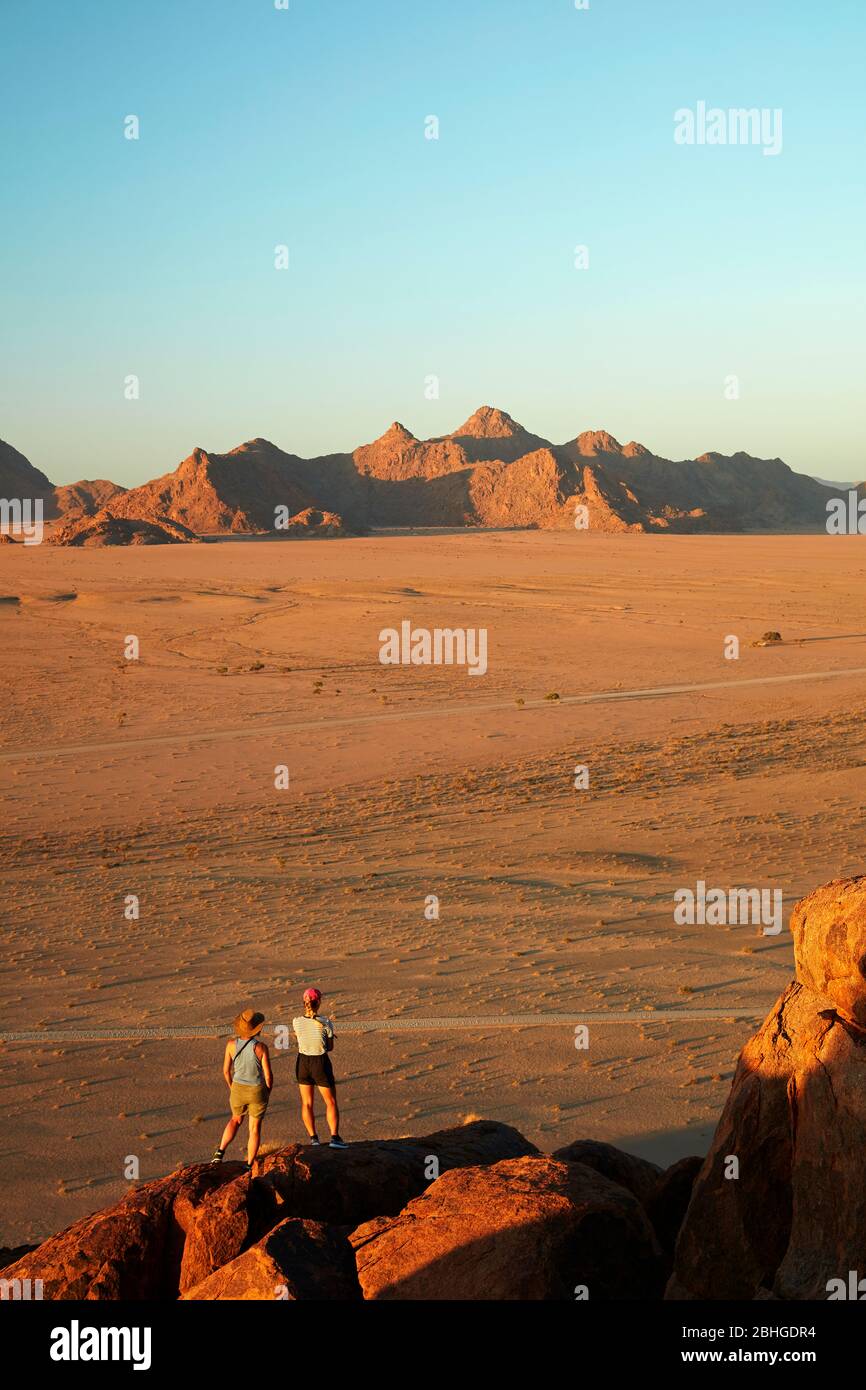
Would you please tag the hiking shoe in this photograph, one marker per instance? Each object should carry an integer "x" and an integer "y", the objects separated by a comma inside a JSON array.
[
  {"x": 217, "y": 1156},
  {"x": 337, "y": 1143}
]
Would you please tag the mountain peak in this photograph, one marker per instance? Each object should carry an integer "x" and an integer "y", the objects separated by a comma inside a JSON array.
[
  {"x": 489, "y": 423},
  {"x": 591, "y": 442},
  {"x": 253, "y": 446},
  {"x": 397, "y": 431}
]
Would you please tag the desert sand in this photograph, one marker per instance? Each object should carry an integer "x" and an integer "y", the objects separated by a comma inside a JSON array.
[{"x": 156, "y": 778}]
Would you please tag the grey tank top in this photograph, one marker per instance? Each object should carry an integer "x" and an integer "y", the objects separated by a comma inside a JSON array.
[{"x": 247, "y": 1070}]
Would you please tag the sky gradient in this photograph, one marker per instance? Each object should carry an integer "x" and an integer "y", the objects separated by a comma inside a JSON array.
[{"x": 412, "y": 257}]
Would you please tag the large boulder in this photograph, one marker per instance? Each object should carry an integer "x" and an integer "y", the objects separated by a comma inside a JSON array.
[
  {"x": 349, "y": 1186},
  {"x": 218, "y": 1225},
  {"x": 525, "y": 1228},
  {"x": 738, "y": 1222},
  {"x": 296, "y": 1260},
  {"x": 780, "y": 1203},
  {"x": 129, "y": 1251},
  {"x": 829, "y": 928},
  {"x": 637, "y": 1174}
]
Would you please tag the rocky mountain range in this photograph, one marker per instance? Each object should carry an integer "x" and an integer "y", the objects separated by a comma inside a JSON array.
[{"x": 489, "y": 472}]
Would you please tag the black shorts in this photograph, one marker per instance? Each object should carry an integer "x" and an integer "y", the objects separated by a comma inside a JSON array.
[{"x": 315, "y": 1071}]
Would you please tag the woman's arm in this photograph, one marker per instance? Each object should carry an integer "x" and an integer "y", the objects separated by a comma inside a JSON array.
[
  {"x": 228, "y": 1059},
  {"x": 265, "y": 1060}
]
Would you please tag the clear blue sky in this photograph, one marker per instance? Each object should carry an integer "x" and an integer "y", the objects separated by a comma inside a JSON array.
[{"x": 412, "y": 257}]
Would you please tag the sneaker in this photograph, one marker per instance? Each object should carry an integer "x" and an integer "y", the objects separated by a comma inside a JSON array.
[
  {"x": 337, "y": 1143},
  {"x": 217, "y": 1156},
  {"x": 316, "y": 1142}
]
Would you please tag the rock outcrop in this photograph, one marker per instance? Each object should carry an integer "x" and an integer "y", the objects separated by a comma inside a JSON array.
[
  {"x": 312, "y": 524},
  {"x": 245, "y": 490},
  {"x": 132, "y": 1250},
  {"x": 296, "y": 1260},
  {"x": 476, "y": 1212},
  {"x": 73, "y": 501},
  {"x": 526, "y": 1228},
  {"x": 376, "y": 1179},
  {"x": 218, "y": 1224},
  {"x": 169, "y": 1236},
  {"x": 829, "y": 929},
  {"x": 470, "y": 1212},
  {"x": 780, "y": 1202},
  {"x": 638, "y": 1175},
  {"x": 105, "y": 529}
]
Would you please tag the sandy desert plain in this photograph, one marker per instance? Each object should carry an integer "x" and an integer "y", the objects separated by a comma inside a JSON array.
[{"x": 156, "y": 778}]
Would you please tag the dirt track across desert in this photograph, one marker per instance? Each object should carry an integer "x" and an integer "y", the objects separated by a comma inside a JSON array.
[{"x": 121, "y": 747}]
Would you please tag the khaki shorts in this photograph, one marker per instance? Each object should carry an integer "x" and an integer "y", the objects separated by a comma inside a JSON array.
[{"x": 252, "y": 1100}]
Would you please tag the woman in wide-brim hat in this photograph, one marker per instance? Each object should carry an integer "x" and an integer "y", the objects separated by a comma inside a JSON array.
[
  {"x": 249, "y": 1024},
  {"x": 247, "y": 1073}
]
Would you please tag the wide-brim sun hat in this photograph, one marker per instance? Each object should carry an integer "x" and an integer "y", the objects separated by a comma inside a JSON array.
[{"x": 248, "y": 1023}]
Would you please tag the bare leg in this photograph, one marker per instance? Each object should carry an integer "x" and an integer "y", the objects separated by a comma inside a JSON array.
[
  {"x": 255, "y": 1137},
  {"x": 230, "y": 1131},
  {"x": 307, "y": 1113},
  {"x": 331, "y": 1110}
]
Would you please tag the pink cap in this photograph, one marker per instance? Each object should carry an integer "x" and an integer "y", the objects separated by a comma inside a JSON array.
[{"x": 312, "y": 995}]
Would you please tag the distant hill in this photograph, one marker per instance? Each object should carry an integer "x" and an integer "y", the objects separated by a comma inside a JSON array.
[
  {"x": 489, "y": 472},
  {"x": 19, "y": 478},
  {"x": 212, "y": 493},
  {"x": 104, "y": 530},
  {"x": 74, "y": 500}
]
